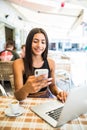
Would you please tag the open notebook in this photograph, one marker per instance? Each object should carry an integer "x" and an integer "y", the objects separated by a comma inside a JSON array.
[{"x": 56, "y": 113}]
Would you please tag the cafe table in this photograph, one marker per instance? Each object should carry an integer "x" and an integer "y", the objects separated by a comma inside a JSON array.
[{"x": 30, "y": 121}]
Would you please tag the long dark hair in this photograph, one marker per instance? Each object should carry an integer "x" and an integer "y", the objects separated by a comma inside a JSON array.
[{"x": 28, "y": 51}]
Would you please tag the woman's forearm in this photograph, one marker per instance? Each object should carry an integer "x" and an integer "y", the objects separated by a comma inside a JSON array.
[
  {"x": 22, "y": 93},
  {"x": 54, "y": 89}
]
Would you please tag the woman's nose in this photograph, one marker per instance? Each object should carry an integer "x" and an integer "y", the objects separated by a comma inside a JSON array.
[{"x": 39, "y": 43}]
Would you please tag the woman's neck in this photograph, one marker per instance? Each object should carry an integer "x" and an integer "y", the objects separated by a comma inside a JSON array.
[{"x": 37, "y": 61}]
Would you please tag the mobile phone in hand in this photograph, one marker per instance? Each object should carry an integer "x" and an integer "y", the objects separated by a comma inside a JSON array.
[{"x": 39, "y": 72}]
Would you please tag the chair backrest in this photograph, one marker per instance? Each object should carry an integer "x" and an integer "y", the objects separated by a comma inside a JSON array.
[{"x": 5, "y": 70}]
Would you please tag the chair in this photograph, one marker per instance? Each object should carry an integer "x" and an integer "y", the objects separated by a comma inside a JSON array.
[
  {"x": 6, "y": 72},
  {"x": 64, "y": 80},
  {"x": 63, "y": 73}
]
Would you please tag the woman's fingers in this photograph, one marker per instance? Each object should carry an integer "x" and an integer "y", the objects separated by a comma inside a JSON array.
[
  {"x": 45, "y": 82},
  {"x": 41, "y": 77},
  {"x": 38, "y": 83},
  {"x": 62, "y": 96}
]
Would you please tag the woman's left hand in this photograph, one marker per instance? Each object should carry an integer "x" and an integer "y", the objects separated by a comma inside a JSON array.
[{"x": 62, "y": 95}]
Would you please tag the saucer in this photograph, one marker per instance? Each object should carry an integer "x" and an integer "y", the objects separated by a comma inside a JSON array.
[{"x": 8, "y": 112}]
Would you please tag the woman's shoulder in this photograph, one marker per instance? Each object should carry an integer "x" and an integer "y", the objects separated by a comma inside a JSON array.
[
  {"x": 18, "y": 63},
  {"x": 51, "y": 62}
]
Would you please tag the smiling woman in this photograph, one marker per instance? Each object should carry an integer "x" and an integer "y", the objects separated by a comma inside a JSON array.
[{"x": 26, "y": 83}]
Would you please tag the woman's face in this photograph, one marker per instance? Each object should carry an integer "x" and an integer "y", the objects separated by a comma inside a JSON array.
[{"x": 38, "y": 44}]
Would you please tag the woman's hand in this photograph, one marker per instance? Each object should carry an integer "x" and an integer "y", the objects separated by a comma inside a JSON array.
[
  {"x": 34, "y": 84},
  {"x": 62, "y": 96}
]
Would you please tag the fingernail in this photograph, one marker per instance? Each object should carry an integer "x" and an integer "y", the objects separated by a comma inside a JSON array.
[{"x": 49, "y": 83}]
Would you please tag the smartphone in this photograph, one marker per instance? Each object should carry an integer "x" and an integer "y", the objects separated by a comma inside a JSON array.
[{"x": 39, "y": 72}]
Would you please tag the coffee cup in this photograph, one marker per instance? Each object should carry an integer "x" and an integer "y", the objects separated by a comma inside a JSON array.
[{"x": 14, "y": 106}]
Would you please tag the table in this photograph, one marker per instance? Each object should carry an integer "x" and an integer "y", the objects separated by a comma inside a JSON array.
[{"x": 30, "y": 121}]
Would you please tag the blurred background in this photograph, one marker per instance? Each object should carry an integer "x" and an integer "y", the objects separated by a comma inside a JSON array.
[{"x": 65, "y": 22}]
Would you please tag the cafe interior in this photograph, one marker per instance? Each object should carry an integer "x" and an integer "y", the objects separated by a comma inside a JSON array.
[{"x": 65, "y": 22}]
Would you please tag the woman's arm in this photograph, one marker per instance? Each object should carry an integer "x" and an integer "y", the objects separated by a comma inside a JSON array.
[
  {"x": 32, "y": 85},
  {"x": 21, "y": 91},
  {"x": 61, "y": 95}
]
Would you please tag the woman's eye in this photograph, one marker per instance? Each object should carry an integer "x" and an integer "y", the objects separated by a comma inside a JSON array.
[
  {"x": 35, "y": 41},
  {"x": 43, "y": 42}
]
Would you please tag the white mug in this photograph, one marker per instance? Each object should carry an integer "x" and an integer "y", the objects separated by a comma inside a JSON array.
[{"x": 14, "y": 106}]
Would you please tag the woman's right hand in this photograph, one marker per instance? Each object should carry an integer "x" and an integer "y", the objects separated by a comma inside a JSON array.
[{"x": 34, "y": 84}]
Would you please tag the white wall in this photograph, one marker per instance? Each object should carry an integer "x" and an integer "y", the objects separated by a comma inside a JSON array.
[{"x": 2, "y": 36}]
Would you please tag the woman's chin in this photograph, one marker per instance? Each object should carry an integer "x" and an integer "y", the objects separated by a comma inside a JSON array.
[{"x": 38, "y": 53}]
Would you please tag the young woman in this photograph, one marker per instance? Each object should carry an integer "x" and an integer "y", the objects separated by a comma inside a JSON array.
[{"x": 28, "y": 85}]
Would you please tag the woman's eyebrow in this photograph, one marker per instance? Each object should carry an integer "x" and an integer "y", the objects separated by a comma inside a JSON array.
[{"x": 38, "y": 39}]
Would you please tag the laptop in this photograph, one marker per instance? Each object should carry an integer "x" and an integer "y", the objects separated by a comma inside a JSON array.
[{"x": 57, "y": 113}]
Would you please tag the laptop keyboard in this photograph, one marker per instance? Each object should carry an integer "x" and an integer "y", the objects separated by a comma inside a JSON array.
[{"x": 55, "y": 113}]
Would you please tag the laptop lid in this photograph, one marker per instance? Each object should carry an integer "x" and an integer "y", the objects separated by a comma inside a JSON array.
[{"x": 75, "y": 105}]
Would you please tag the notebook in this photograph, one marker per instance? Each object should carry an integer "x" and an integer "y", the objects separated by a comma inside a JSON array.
[{"x": 57, "y": 113}]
